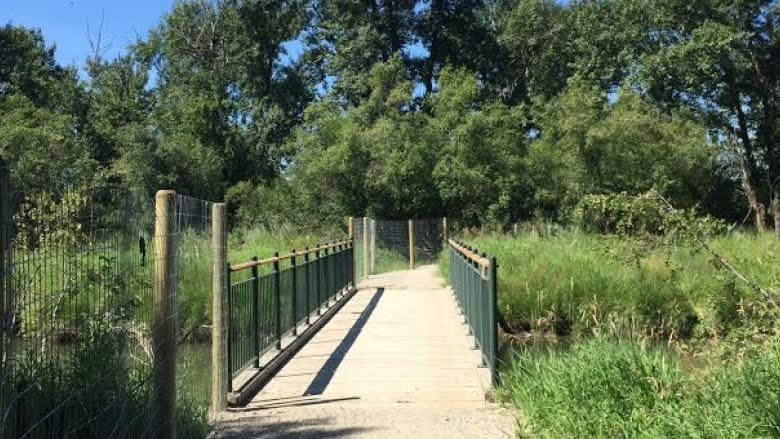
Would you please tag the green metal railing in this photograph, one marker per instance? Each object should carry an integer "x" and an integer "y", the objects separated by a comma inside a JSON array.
[
  {"x": 473, "y": 278},
  {"x": 266, "y": 307}
]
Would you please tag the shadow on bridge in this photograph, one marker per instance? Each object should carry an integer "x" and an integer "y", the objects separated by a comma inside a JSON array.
[
  {"x": 326, "y": 372},
  {"x": 312, "y": 428}
]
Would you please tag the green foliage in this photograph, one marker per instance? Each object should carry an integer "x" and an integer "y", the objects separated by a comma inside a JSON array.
[
  {"x": 590, "y": 147},
  {"x": 96, "y": 390},
  {"x": 585, "y": 284},
  {"x": 596, "y": 389},
  {"x": 643, "y": 215},
  {"x": 388, "y": 260},
  {"x": 608, "y": 389}
]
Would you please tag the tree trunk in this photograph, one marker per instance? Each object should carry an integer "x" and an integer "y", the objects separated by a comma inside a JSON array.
[{"x": 756, "y": 206}]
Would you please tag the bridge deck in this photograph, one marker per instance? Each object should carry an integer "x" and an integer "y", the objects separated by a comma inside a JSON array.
[
  {"x": 399, "y": 339},
  {"x": 394, "y": 362}
]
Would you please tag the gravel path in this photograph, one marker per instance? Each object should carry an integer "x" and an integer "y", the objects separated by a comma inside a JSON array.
[{"x": 371, "y": 422}]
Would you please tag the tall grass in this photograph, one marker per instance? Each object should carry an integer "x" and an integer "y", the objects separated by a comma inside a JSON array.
[
  {"x": 623, "y": 299},
  {"x": 607, "y": 389},
  {"x": 589, "y": 284},
  {"x": 388, "y": 260}
]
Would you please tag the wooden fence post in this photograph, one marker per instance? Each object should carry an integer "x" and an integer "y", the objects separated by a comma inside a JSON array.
[
  {"x": 365, "y": 247},
  {"x": 350, "y": 231},
  {"x": 445, "y": 231},
  {"x": 372, "y": 246},
  {"x": 164, "y": 326},
  {"x": 411, "y": 244},
  {"x": 219, "y": 293},
  {"x": 6, "y": 299}
]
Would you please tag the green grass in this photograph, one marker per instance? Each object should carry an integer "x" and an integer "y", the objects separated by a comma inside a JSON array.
[
  {"x": 661, "y": 340},
  {"x": 388, "y": 260},
  {"x": 609, "y": 389},
  {"x": 588, "y": 284}
]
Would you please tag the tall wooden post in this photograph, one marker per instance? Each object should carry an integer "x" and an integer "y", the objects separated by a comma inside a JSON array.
[
  {"x": 365, "y": 247},
  {"x": 164, "y": 327},
  {"x": 411, "y": 244},
  {"x": 350, "y": 231},
  {"x": 445, "y": 232},
  {"x": 6, "y": 300},
  {"x": 372, "y": 246},
  {"x": 219, "y": 293}
]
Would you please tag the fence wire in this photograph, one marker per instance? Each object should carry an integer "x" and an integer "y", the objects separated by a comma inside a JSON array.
[
  {"x": 77, "y": 351},
  {"x": 77, "y": 312},
  {"x": 193, "y": 292},
  {"x": 383, "y": 245}
]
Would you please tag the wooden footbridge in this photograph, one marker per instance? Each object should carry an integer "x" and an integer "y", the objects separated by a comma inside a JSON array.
[{"x": 302, "y": 329}]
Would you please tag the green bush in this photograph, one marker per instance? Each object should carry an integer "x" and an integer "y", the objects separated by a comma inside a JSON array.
[
  {"x": 95, "y": 390},
  {"x": 647, "y": 214}
]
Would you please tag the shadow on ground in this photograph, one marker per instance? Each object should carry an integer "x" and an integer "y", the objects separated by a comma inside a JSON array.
[
  {"x": 325, "y": 374},
  {"x": 316, "y": 428}
]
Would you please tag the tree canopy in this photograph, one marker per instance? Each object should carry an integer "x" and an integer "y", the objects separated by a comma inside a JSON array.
[{"x": 486, "y": 111}]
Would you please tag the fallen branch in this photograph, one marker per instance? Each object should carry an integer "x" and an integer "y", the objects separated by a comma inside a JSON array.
[{"x": 768, "y": 293}]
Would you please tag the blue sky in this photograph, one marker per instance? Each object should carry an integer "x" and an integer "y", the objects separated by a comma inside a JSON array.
[
  {"x": 65, "y": 23},
  {"x": 68, "y": 25}
]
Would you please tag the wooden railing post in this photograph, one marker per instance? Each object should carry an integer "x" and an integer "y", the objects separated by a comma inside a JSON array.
[
  {"x": 445, "y": 231},
  {"x": 219, "y": 309},
  {"x": 411, "y": 244},
  {"x": 164, "y": 327}
]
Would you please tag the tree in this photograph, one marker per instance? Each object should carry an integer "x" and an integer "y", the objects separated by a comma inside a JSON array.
[
  {"x": 589, "y": 146},
  {"x": 348, "y": 37},
  {"x": 719, "y": 58},
  {"x": 456, "y": 33}
]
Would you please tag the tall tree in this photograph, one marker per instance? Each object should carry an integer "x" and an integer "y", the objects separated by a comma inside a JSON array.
[
  {"x": 349, "y": 36},
  {"x": 227, "y": 101},
  {"x": 456, "y": 33},
  {"x": 720, "y": 58}
]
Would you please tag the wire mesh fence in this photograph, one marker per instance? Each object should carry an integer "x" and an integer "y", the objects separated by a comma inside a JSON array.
[
  {"x": 193, "y": 293},
  {"x": 384, "y": 245},
  {"x": 78, "y": 312}
]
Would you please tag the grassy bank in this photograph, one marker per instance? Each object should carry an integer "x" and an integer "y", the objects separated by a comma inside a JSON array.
[
  {"x": 662, "y": 339},
  {"x": 609, "y": 389},
  {"x": 581, "y": 284}
]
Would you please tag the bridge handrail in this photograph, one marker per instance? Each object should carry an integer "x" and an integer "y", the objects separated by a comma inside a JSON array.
[
  {"x": 270, "y": 260},
  {"x": 473, "y": 277},
  {"x": 265, "y": 308},
  {"x": 482, "y": 261}
]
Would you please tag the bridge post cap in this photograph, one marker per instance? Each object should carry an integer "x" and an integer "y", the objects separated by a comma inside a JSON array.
[{"x": 164, "y": 193}]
